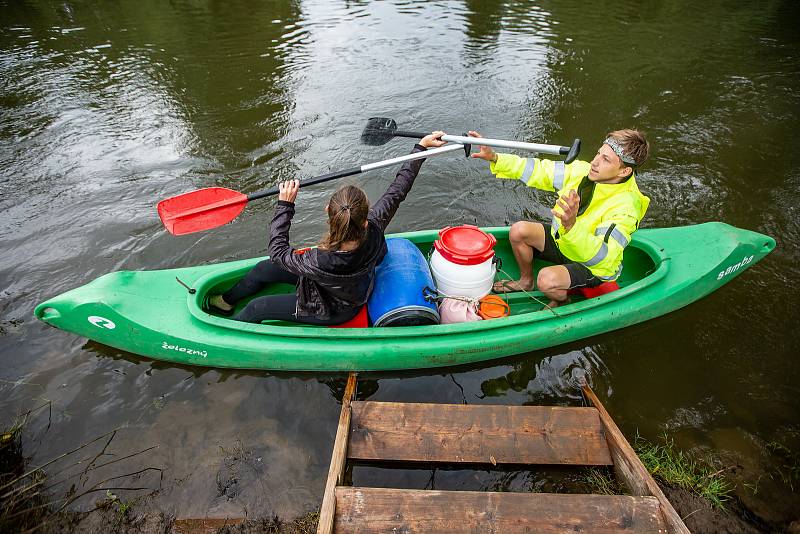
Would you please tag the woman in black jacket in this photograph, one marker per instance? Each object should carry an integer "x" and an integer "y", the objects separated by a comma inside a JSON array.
[{"x": 334, "y": 280}]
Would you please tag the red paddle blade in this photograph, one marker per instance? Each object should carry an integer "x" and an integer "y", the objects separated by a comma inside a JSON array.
[{"x": 201, "y": 210}]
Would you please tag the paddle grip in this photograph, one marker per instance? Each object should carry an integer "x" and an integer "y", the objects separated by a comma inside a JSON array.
[
  {"x": 571, "y": 152},
  {"x": 317, "y": 180}
]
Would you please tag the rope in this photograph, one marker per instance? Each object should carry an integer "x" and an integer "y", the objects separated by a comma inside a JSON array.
[
  {"x": 471, "y": 300},
  {"x": 544, "y": 305}
]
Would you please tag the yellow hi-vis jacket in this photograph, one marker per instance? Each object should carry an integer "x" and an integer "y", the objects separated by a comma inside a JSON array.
[{"x": 603, "y": 229}]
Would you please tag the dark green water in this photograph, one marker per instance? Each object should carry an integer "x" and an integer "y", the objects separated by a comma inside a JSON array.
[{"x": 106, "y": 108}]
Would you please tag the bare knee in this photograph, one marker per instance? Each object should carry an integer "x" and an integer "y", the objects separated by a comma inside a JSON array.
[
  {"x": 517, "y": 232},
  {"x": 549, "y": 279},
  {"x": 525, "y": 232}
]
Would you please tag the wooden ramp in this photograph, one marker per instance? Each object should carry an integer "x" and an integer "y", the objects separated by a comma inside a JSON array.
[{"x": 483, "y": 435}]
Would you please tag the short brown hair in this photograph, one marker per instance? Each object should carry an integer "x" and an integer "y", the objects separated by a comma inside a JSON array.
[
  {"x": 348, "y": 209},
  {"x": 634, "y": 145}
]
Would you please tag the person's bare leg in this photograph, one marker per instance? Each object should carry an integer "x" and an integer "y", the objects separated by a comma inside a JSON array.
[
  {"x": 220, "y": 303},
  {"x": 554, "y": 282},
  {"x": 524, "y": 236}
]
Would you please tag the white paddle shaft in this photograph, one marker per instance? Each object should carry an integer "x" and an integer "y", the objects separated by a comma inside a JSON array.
[
  {"x": 409, "y": 157},
  {"x": 501, "y": 143}
]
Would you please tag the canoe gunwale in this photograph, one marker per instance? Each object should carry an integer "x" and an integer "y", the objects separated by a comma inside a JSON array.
[{"x": 214, "y": 278}]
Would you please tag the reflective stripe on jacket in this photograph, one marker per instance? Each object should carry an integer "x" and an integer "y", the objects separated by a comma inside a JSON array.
[{"x": 603, "y": 229}]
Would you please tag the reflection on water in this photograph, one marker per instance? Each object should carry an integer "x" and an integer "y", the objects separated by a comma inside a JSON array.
[
  {"x": 552, "y": 377},
  {"x": 104, "y": 110}
]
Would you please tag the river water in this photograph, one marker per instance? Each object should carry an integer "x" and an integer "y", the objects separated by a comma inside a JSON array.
[{"x": 106, "y": 108}]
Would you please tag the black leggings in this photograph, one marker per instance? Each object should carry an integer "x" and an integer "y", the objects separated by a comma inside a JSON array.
[{"x": 274, "y": 307}]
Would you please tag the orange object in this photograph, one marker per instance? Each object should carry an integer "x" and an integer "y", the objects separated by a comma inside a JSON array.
[{"x": 493, "y": 307}]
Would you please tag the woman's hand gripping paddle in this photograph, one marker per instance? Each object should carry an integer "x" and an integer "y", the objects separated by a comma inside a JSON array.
[
  {"x": 211, "y": 207},
  {"x": 381, "y": 130}
]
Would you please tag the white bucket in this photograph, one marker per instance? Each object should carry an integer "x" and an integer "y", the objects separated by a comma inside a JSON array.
[{"x": 455, "y": 280}]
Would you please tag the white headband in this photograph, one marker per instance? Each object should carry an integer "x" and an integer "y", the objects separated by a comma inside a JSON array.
[{"x": 617, "y": 148}]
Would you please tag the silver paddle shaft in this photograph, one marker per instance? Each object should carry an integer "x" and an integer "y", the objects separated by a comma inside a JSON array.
[
  {"x": 502, "y": 143},
  {"x": 410, "y": 157}
]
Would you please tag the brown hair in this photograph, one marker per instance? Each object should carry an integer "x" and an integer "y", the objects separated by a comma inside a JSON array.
[
  {"x": 634, "y": 145},
  {"x": 347, "y": 212}
]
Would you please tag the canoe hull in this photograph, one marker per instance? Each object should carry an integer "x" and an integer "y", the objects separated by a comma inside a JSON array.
[{"x": 150, "y": 314}]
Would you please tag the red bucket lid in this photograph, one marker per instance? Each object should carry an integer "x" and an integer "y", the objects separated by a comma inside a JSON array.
[{"x": 465, "y": 245}]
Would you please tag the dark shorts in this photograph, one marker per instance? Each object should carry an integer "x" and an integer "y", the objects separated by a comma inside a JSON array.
[{"x": 579, "y": 276}]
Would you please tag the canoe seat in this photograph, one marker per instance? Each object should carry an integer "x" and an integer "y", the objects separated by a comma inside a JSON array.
[
  {"x": 361, "y": 320},
  {"x": 596, "y": 291}
]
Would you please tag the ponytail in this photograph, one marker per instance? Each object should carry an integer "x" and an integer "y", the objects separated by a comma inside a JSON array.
[{"x": 347, "y": 214}]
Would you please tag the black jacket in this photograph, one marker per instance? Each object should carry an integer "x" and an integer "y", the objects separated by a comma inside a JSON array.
[{"x": 333, "y": 282}]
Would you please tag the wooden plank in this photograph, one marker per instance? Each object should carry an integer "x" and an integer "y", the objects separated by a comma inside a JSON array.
[
  {"x": 338, "y": 460},
  {"x": 381, "y": 510},
  {"x": 630, "y": 468},
  {"x": 477, "y": 434}
]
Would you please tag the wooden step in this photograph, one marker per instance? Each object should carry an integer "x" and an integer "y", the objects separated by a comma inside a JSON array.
[
  {"x": 380, "y": 510},
  {"x": 457, "y": 433}
]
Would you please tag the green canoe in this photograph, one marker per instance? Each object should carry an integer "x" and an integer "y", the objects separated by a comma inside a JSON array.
[{"x": 151, "y": 314}]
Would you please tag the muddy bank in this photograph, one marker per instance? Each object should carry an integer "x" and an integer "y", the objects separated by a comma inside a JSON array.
[
  {"x": 107, "y": 521},
  {"x": 701, "y": 517}
]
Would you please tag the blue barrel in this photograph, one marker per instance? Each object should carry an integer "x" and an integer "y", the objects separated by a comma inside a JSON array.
[{"x": 397, "y": 297}]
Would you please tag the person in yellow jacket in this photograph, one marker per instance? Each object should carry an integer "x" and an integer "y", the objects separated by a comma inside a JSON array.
[{"x": 599, "y": 208}]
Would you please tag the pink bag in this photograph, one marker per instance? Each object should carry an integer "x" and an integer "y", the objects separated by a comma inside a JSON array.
[{"x": 458, "y": 311}]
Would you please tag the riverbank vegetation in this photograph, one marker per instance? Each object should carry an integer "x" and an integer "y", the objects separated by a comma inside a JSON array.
[
  {"x": 672, "y": 467},
  {"x": 21, "y": 505},
  {"x": 700, "y": 492},
  {"x": 88, "y": 477},
  {"x": 668, "y": 464}
]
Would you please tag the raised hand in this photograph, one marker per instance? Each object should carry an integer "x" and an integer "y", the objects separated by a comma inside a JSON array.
[
  {"x": 486, "y": 152},
  {"x": 433, "y": 140},
  {"x": 569, "y": 205},
  {"x": 288, "y": 190}
]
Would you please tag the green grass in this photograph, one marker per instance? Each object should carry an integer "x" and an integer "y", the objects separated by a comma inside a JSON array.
[
  {"x": 22, "y": 505},
  {"x": 602, "y": 481},
  {"x": 788, "y": 471},
  {"x": 670, "y": 465}
]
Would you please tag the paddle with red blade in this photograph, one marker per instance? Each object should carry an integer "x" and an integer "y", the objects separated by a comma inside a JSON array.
[{"x": 211, "y": 207}]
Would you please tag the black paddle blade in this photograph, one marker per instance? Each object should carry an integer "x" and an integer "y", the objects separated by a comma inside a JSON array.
[{"x": 379, "y": 131}]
